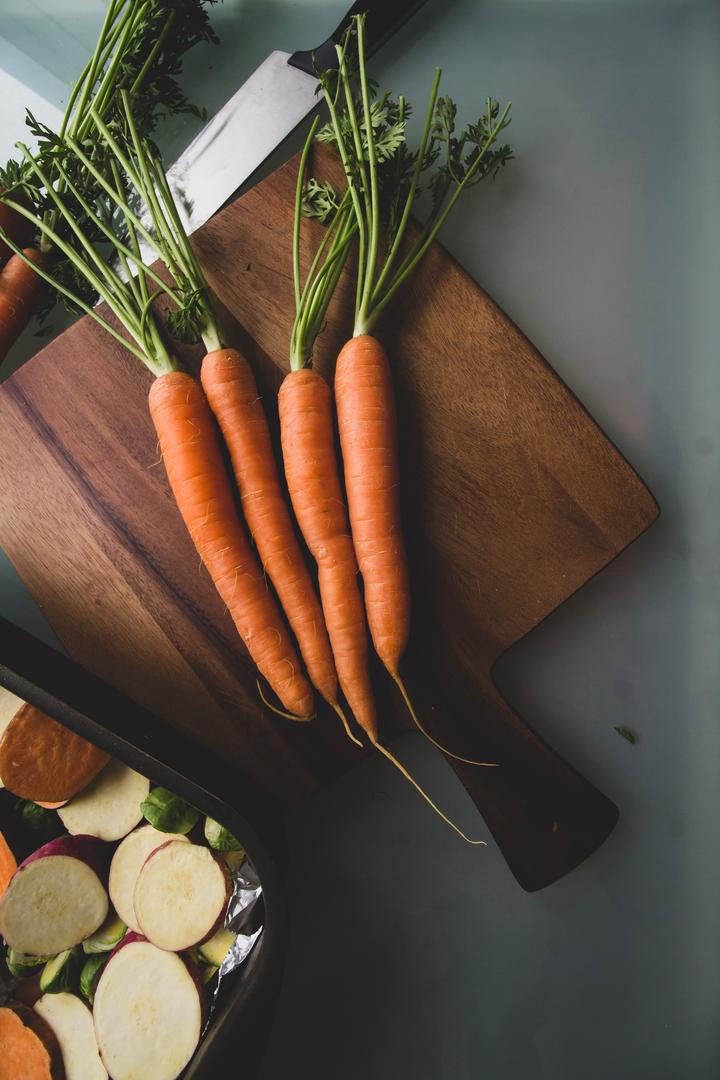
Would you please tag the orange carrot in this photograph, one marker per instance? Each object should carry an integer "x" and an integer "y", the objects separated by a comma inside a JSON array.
[
  {"x": 18, "y": 228},
  {"x": 366, "y": 422},
  {"x": 8, "y": 864},
  {"x": 229, "y": 384},
  {"x": 313, "y": 479},
  {"x": 202, "y": 491},
  {"x": 368, "y": 441},
  {"x": 20, "y": 289}
]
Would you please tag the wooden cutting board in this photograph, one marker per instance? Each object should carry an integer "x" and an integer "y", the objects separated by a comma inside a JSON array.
[{"x": 513, "y": 498}]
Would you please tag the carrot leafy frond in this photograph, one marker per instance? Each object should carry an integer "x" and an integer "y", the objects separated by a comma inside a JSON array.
[{"x": 385, "y": 177}]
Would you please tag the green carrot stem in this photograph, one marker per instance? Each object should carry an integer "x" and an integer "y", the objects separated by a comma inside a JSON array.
[
  {"x": 139, "y": 79},
  {"x": 427, "y": 236},
  {"x": 107, "y": 274},
  {"x": 73, "y": 297},
  {"x": 124, "y": 252},
  {"x": 374, "y": 220},
  {"x": 402, "y": 225},
  {"x": 299, "y": 187}
]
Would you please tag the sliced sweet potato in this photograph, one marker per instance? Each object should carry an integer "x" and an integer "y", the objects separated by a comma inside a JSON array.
[
  {"x": 8, "y": 864},
  {"x": 42, "y": 760},
  {"x": 30, "y": 1048}
]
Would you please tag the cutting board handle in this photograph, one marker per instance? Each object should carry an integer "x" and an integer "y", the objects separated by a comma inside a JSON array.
[
  {"x": 544, "y": 816},
  {"x": 384, "y": 17}
]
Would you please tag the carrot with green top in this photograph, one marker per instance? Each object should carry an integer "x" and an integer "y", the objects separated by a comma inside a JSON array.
[
  {"x": 384, "y": 178},
  {"x": 183, "y": 420},
  {"x": 311, "y": 464}
]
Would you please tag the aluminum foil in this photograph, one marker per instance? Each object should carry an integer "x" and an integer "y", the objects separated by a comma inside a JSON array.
[{"x": 241, "y": 918}]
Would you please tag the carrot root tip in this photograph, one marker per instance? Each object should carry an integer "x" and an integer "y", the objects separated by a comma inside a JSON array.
[
  {"x": 398, "y": 765},
  {"x": 282, "y": 712},
  {"x": 345, "y": 724},
  {"x": 449, "y": 753}
]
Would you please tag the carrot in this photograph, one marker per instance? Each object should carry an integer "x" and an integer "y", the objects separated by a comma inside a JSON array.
[
  {"x": 366, "y": 423},
  {"x": 202, "y": 491},
  {"x": 30, "y": 1050},
  {"x": 367, "y": 135},
  {"x": 313, "y": 479},
  {"x": 232, "y": 393},
  {"x": 8, "y": 864},
  {"x": 18, "y": 228},
  {"x": 20, "y": 289}
]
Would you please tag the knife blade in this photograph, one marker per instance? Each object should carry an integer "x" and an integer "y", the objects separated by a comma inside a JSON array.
[{"x": 279, "y": 94}]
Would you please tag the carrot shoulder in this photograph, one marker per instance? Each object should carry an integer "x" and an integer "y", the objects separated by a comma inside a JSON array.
[
  {"x": 232, "y": 392},
  {"x": 191, "y": 451}
]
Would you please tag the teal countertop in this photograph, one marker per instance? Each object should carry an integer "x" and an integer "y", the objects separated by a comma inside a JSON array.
[{"x": 412, "y": 955}]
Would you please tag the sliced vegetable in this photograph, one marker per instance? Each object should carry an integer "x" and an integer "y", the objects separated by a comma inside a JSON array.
[
  {"x": 60, "y": 973},
  {"x": 148, "y": 1012},
  {"x": 42, "y": 759},
  {"x": 127, "y": 862},
  {"x": 220, "y": 838},
  {"x": 106, "y": 938},
  {"x": 110, "y": 806},
  {"x": 234, "y": 860},
  {"x": 73, "y": 1026},
  {"x": 169, "y": 813},
  {"x": 90, "y": 975},
  {"x": 215, "y": 949},
  {"x": 56, "y": 898},
  {"x": 29, "y": 1049},
  {"x": 23, "y": 965},
  {"x": 181, "y": 895},
  {"x": 8, "y": 864},
  {"x": 9, "y": 702}
]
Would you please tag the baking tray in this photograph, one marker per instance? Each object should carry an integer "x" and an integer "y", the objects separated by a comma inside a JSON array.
[{"x": 238, "y": 1032}]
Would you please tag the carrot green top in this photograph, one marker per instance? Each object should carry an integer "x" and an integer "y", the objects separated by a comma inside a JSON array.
[{"x": 384, "y": 179}]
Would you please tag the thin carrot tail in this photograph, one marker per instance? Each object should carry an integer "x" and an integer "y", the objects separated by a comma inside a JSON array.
[
  {"x": 456, "y": 757},
  {"x": 345, "y": 723},
  {"x": 282, "y": 712},
  {"x": 398, "y": 765}
]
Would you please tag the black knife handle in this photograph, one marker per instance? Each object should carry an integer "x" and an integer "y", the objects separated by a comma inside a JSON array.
[{"x": 384, "y": 17}]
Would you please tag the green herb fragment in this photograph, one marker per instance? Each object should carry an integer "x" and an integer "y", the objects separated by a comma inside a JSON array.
[
  {"x": 59, "y": 975},
  {"x": 23, "y": 965},
  {"x": 90, "y": 975},
  {"x": 44, "y": 823},
  {"x": 626, "y": 733},
  {"x": 168, "y": 813},
  {"x": 220, "y": 838}
]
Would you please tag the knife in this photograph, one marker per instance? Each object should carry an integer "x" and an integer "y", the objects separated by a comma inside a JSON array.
[{"x": 265, "y": 110}]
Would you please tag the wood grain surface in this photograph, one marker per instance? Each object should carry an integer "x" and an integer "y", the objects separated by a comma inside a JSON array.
[{"x": 512, "y": 496}]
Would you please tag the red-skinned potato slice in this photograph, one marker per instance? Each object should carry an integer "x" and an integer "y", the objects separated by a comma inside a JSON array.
[
  {"x": 72, "y": 1023},
  {"x": 29, "y": 1049},
  {"x": 42, "y": 760},
  {"x": 109, "y": 807},
  {"x": 127, "y": 862},
  {"x": 56, "y": 898},
  {"x": 148, "y": 1012},
  {"x": 181, "y": 895}
]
